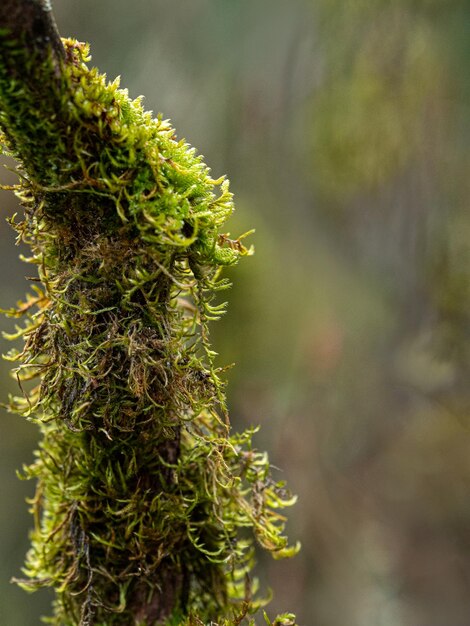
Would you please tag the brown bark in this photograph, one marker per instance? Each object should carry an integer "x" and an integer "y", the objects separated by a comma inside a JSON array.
[{"x": 31, "y": 24}]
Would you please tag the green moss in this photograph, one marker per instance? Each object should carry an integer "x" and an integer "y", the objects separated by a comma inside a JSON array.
[{"x": 147, "y": 510}]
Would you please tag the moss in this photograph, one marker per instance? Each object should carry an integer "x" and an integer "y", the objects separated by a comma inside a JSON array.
[{"x": 147, "y": 509}]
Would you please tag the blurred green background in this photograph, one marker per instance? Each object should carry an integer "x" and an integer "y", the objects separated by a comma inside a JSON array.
[{"x": 344, "y": 127}]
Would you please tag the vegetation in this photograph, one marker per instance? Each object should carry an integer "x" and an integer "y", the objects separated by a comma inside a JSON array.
[
  {"x": 147, "y": 509},
  {"x": 344, "y": 127}
]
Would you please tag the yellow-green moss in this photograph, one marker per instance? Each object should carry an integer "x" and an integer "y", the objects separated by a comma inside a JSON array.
[{"x": 146, "y": 508}]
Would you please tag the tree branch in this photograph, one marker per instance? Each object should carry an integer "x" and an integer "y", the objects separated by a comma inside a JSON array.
[
  {"x": 31, "y": 24},
  {"x": 32, "y": 59},
  {"x": 143, "y": 496}
]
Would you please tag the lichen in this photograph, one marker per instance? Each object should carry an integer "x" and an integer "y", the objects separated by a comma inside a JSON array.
[{"x": 147, "y": 509}]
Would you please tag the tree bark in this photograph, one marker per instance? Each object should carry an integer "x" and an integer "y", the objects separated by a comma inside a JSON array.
[
  {"x": 31, "y": 26},
  {"x": 33, "y": 18}
]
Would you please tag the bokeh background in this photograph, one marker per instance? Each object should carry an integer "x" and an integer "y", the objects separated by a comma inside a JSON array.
[{"x": 344, "y": 127}]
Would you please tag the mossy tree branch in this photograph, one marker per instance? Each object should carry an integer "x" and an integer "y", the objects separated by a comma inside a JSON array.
[{"x": 143, "y": 497}]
